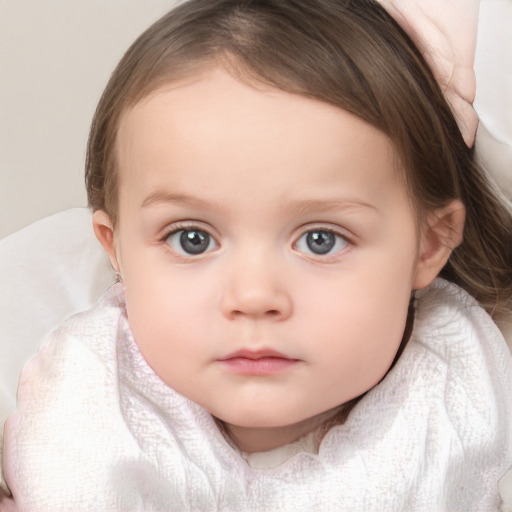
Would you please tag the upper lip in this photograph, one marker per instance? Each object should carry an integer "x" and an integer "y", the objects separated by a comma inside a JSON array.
[{"x": 255, "y": 354}]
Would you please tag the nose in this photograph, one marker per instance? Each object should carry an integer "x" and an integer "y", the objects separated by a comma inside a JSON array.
[{"x": 256, "y": 289}]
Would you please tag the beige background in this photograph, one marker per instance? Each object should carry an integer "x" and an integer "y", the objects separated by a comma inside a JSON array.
[{"x": 56, "y": 57}]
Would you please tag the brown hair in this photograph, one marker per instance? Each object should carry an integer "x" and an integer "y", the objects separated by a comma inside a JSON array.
[{"x": 349, "y": 53}]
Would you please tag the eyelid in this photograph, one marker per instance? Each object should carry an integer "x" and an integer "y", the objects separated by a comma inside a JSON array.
[
  {"x": 179, "y": 225},
  {"x": 326, "y": 226}
]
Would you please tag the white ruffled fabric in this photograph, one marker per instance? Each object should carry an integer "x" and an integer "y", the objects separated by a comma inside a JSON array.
[{"x": 97, "y": 430}]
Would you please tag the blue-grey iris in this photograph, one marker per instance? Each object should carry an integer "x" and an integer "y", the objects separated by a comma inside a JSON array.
[
  {"x": 320, "y": 242},
  {"x": 194, "y": 241}
]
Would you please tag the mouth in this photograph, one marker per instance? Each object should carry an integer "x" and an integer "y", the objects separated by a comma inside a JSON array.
[{"x": 261, "y": 362}]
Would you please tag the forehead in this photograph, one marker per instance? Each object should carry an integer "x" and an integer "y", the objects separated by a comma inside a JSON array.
[{"x": 223, "y": 133}]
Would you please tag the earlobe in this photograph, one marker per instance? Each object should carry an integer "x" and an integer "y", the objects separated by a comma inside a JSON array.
[
  {"x": 442, "y": 234},
  {"x": 104, "y": 232}
]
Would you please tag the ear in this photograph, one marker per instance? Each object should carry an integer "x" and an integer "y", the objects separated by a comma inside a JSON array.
[
  {"x": 442, "y": 233},
  {"x": 104, "y": 232}
]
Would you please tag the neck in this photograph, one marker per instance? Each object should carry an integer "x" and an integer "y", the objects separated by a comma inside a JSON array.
[{"x": 262, "y": 439}]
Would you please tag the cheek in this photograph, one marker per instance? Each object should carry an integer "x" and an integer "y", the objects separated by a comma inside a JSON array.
[
  {"x": 357, "y": 326},
  {"x": 363, "y": 324},
  {"x": 168, "y": 317}
]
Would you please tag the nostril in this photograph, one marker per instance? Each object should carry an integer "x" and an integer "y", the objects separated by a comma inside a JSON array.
[{"x": 270, "y": 312}]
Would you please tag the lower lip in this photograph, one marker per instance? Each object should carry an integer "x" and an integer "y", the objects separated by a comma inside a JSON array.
[{"x": 262, "y": 366}]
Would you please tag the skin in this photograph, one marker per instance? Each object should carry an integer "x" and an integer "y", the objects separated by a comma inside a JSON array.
[{"x": 256, "y": 169}]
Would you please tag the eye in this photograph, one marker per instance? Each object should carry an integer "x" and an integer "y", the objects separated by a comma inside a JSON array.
[
  {"x": 191, "y": 242},
  {"x": 321, "y": 242}
]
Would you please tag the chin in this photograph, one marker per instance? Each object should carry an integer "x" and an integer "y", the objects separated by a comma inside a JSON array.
[
  {"x": 254, "y": 422},
  {"x": 257, "y": 419}
]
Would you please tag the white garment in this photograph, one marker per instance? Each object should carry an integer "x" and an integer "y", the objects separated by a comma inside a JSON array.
[{"x": 97, "y": 430}]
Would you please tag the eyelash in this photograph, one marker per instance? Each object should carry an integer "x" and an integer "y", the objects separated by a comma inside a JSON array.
[{"x": 326, "y": 257}]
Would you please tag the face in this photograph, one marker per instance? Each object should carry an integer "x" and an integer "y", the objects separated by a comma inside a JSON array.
[{"x": 268, "y": 250}]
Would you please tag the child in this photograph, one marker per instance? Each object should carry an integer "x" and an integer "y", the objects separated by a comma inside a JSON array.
[{"x": 278, "y": 185}]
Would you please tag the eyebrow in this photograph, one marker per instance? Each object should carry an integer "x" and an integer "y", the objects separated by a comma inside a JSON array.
[
  {"x": 327, "y": 205},
  {"x": 161, "y": 197},
  {"x": 293, "y": 208}
]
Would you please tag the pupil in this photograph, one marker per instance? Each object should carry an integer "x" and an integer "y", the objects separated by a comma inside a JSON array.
[
  {"x": 320, "y": 242},
  {"x": 194, "y": 241}
]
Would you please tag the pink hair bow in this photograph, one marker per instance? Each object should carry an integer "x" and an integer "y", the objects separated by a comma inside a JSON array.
[{"x": 445, "y": 32}]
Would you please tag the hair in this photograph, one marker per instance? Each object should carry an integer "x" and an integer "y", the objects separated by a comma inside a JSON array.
[{"x": 348, "y": 53}]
